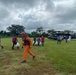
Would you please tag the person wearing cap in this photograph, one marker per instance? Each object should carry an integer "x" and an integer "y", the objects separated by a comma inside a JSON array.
[{"x": 27, "y": 43}]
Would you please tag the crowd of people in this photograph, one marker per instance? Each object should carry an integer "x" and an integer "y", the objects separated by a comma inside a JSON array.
[
  {"x": 60, "y": 38},
  {"x": 27, "y": 43},
  {"x": 39, "y": 41}
]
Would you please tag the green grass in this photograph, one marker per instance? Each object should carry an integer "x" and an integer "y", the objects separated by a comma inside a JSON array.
[{"x": 52, "y": 59}]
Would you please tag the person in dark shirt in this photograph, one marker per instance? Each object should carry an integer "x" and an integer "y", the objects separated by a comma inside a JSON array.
[
  {"x": 14, "y": 41},
  {"x": 38, "y": 40},
  {"x": 34, "y": 40}
]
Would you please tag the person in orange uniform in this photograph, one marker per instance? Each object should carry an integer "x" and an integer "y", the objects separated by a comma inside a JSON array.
[
  {"x": 27, "y": 43},
  {"x": 23, "y": 36}
]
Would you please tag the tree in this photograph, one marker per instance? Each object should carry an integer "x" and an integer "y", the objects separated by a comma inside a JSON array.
[
  {"x": 50, "y": 32},
  {"x": 16, "y": 29},
  {"x": 1, "y": 32},
  {"x": 34, "y": 34},
  {"x": 68, "y": 31},
  {"x": 39, "y": 30},
  {"x": 45, "y": 34}
]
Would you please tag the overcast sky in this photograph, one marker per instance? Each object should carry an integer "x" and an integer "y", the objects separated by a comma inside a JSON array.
[{"x": 49, "y": 14}]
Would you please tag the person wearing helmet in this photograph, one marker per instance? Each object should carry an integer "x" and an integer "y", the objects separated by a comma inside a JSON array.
[{"x": 27, "y": 43}]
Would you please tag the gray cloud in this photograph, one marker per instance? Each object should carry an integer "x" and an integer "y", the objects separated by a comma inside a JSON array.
[
  {"x": 50, "y": 14},
  {"x": 4, "y": 13}
]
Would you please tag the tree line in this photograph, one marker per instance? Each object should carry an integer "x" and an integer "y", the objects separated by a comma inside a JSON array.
[{"x": 17, "y": 29}]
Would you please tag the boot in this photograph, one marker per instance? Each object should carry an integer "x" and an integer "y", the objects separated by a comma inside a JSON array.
[
  {"x": 33, "y": 57},
  {"x": 12, "y": 48},
  {"x": 2, "y": 47},
  {"x": 23, "y": 61}
]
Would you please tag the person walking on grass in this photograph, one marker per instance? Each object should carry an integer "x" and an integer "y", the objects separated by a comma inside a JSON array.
[
  {"x": 42, "y": 40},
  {"x": 0, "y": 44},
  {"x": 27, "y": 43},
  {"x": 58, "y": 39},
  {"x": 23, "y": 36},
  {"x": 38, "y": 41},
  {"x": 34, "y": 40},
  {"x": 14, "y": 41}
]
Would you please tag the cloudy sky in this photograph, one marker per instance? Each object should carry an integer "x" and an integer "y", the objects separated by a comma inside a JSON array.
[{"x": 49, "y": 14}]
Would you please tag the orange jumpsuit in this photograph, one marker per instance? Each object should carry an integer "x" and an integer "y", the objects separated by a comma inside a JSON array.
[
  {"x": 27, "y": 45},
  {"x": 23, "y": 37}
]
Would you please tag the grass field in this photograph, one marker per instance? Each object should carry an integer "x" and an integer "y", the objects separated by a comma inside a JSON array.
[{"x": 52, "y": 59}]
